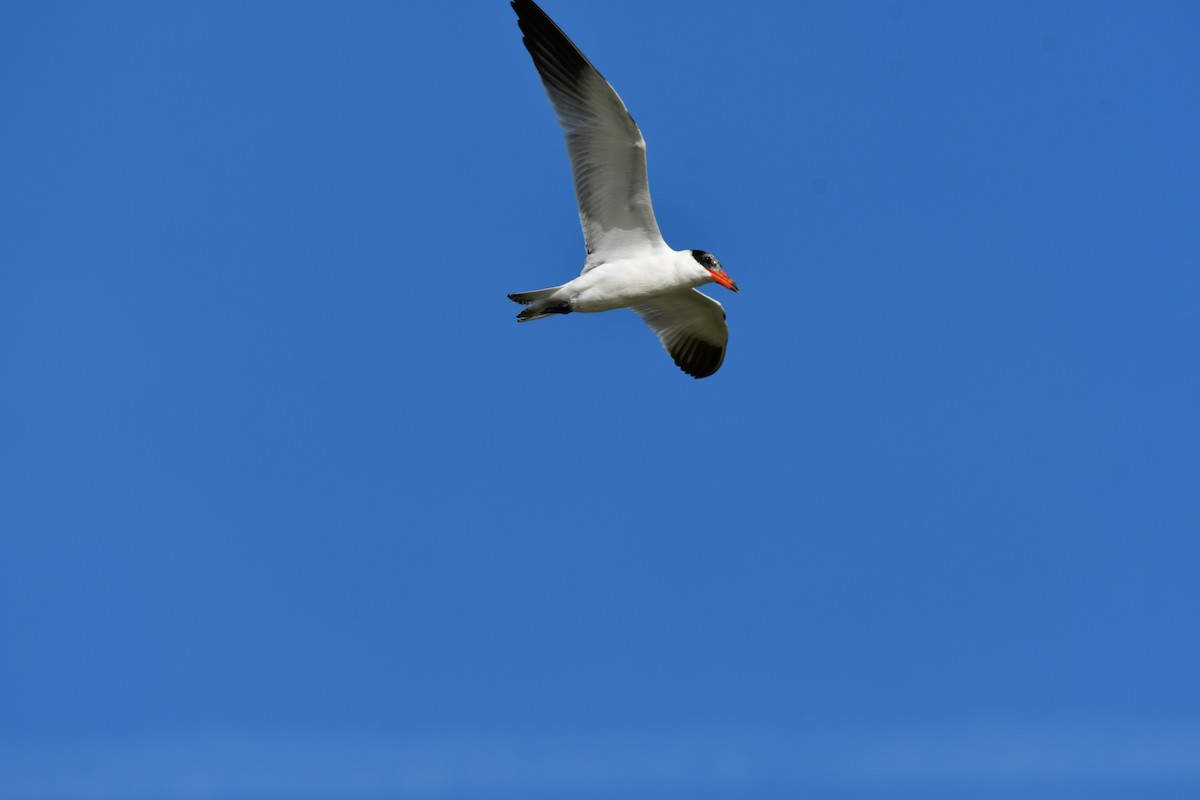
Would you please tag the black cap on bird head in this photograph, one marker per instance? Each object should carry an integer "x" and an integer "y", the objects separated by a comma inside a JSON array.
[{"x": 710, "y": 263}]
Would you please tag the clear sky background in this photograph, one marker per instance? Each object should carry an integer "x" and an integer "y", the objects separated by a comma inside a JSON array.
[{"x": 290, "y": 506}]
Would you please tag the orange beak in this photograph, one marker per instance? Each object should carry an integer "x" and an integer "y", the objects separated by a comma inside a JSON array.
[{"x": 724, "y": 280}]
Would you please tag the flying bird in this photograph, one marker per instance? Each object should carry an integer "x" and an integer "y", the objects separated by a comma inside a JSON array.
[{"x": 628, "y": 264}]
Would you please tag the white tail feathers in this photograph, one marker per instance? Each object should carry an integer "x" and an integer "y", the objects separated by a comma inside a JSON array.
[
  {"x": 539, "y": 304},
  {"x": 529, "y": 298}
]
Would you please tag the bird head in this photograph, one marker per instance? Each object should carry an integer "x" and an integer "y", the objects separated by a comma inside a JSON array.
[{"x": 715, "y": 270}]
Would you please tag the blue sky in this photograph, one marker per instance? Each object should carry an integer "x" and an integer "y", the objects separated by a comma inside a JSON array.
[{"x": 290, "y": 505}]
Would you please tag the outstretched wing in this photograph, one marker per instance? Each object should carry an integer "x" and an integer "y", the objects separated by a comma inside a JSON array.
[
  {"x": 691, "y": 326},
  {"x": 608, "y": 154}
]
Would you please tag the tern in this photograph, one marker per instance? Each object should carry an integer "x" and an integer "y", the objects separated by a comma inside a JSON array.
[{"x": 628, "y": 264}]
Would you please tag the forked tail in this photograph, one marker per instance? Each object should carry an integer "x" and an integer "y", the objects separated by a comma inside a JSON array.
[{"x": 540, "y": 304}]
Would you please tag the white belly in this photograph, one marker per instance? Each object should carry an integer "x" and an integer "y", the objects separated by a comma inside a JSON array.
[{"x": 620, "y": 284}]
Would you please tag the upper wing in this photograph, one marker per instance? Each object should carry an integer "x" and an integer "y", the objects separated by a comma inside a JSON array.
[
  {"x": 608, "y": 154},
  {"x": 691, "y": 326}
]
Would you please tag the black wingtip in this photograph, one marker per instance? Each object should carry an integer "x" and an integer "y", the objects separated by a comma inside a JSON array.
[
  {"x": 699, "y": 359},
  {"x": 529, "y": 12},
  {"x": 554, "y": 54}
]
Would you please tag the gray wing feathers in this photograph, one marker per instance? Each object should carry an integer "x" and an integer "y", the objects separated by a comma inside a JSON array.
[
  {"x": 608, "y": 154},
  {"x": 691, "y": 326}
]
